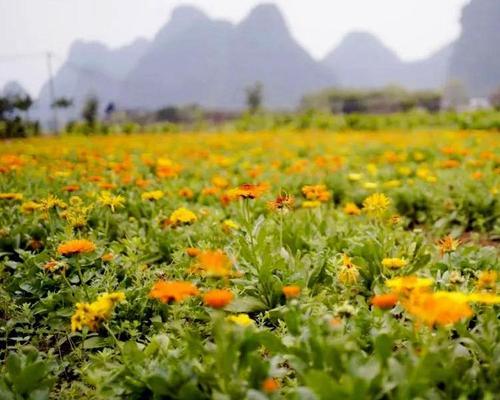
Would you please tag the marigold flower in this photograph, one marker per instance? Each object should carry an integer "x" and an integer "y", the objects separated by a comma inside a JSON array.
[
  {"x": 77, "y": 246},
  {"x": 448, "y": 245},
  {"x": 291, "y": 291},
  {"x": 485, "y": 298},
  {"x": 247, "y": 191},
  {"x": 186, "y": 192},
  {"x": 152, "y": 195},
  {"x": 192, "y": 251},
  {"x": 213, "y": 263},
  {"x": 406, "y": 284},
  {"x": 311, "y": 204},
  {"x": 107, "y": 257},
  {"x": 241, "y": 320},
  {"x": 91, "y": 315},
  {"x": 376, "y": 204},
  {"x": 348, "y": 273},
  {"x": 270, "y": 385},
  {"x": 439, "y": 308},
  {"x": 487, "y": 280},
  {"x": 229, "y": 225},
  {"x": 182, "y": 216},
  {"x": 282, "y": 202},
  {"x": 352, "y": 209},
  {"x": 108, "y": 199},
  {"x": 29, "y": 207},
  {"x": 71, "y": 188},
  {"x": 218, "y": 298},
  {"x": 316, "y": 193},
  {"x": 394, "y": 263},
  {"x": 172, "y": 291},
  {"x": 11, "y": 196},
  {"x": 384, "y": 301}
]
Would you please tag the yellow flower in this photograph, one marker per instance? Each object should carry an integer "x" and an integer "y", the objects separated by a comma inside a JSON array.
[
  {"x": 448, "y": 244},
  {"x": 91, "y": 315},
  {"x": 352, "y": 209},
  {"x": 182, "y": 216},
  {"x": 487, "y": 280},
  {"x": 394, "y": 263},
  {"x": 353, "y": 177},
  {"x": 406, "y": 284},
  {"x": 29, "y": 206},
  {"x": 107, "y": 199},
  {"x": 228, "y": 225},
  {"x": 11, "y": 196},
  {"x": 376, "y": 204},
  {"x": 241, "y": 320},
  {"x": 310, "y": 204},
  {"x": 153, "y": 195},
  {"x": 348, "y": 273},
  {"x": 485, "y": 298}
]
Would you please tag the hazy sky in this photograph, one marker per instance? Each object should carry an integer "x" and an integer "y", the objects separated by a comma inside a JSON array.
[{"x": 413, "y": 28}]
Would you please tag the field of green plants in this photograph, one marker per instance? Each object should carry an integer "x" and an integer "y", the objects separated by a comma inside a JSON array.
[{"x": 266, "y": 265}]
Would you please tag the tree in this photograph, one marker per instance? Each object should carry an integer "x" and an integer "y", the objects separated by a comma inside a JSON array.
[
  {"x": 254, "y": 97},
  {"x": 495, "y": 99},
  {"x": 90, "y": 111},
  {"x": 62, "y": 102},
  {"x": 454, "y": 95}
]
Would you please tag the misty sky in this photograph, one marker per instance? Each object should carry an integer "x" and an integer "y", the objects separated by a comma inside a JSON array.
[{"x": 28, "y": 28}]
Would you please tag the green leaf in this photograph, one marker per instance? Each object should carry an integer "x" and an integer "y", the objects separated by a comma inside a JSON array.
[{"x": 246, "y": 305}]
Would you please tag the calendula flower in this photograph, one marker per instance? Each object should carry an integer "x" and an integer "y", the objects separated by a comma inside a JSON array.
[
  {"x": 484, "y": 298},
  {"x": 376, "y": 204},
  {"x": 152, "y": 195},
  {"x": 448, "y": 245},
  {"x": 11, "y": 196},
  {"x": 291, "y": 291},
  {"x": 54, "y": 265},
  {"x": 247, "y": 191},
  {"x": 29, "y": 207},
  {"x": 71, "y": 188},
  {"x": 172, "y": 291},
  {"x": 228, "y": 225},
  {"x": 384, "y": 301},
  {"x": 93, "y": 314},
  {"x": 439, "y": 308},
  {"x": 394, "y": 263},
  {"x": 282, "y": 202},
  {"x": 213, "y": 263},
  {"x": 270, "y": 385},
  {"x": 352, "y": 209},
  {"x": 241, "y": 320},
  {"x": 487, "y": 280},
  {"x": 110, "y": 200},
  {"x": 182, "y": 216},
  {"x": 107, "y": 257},
  {"x": 187, "y": 193},
  {"x": 76, "y": 246},
  {"x": 406, "y": 284},
  {"x": 348, "y": 272},
  {"x": 192, "y": 251},
  {"x": 218, "y": 298},
  {"x": 316, "y": 193}
]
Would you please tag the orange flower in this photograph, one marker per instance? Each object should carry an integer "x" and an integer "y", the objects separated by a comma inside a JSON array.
[
  {"x": 107, "y": 257},
  {"x": 384, "y": 301},
  {"x": 291, "y": 291},
  {"x": 352, "y": 209},
  {"x": 76, "y": 247},
  {"x": 172, "y": 291},
  {"x": 448, "y": 245},
  {"x": 213, "y": 263},
  {"x": 71, "y": 188},
  {"x": 282, "y": 202},
  {"x": 192, "y": 251},
  {"x": 218, "y": 298},
  {"x": 270, "y": 385},
  {"x": 247, "y": 191}
]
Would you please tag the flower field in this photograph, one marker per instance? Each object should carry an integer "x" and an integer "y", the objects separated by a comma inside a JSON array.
[{"x": 256, "y": 265}]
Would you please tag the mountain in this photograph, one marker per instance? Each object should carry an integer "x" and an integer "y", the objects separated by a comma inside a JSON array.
[
  {"x": 13, "y": 89},
  {"x": 361, "y": 60},
  {"x": 90, "y": 69},
  {"x": 194, "y": 59},
  {"x": 476, "y": 58}
]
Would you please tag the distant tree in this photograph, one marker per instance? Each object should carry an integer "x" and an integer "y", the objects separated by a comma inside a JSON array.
[
  {"x": 495, "y": 99},
  {"x": 90, "y": 111},
  {"x": 254, "y": 97},
  {"x": 454, "y": 95},
  {"x": 110, "y": 109},
  {"x": 24, "y": 103},
  {"x": 62, "y": 102},
  {"x": 169, "y": 113}
]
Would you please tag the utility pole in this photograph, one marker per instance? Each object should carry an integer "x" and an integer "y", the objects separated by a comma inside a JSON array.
[{"x": 52, "y": 91}]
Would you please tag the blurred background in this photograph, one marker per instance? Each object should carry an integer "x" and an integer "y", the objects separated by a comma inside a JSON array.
[{"x": 101, "y": 66}]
